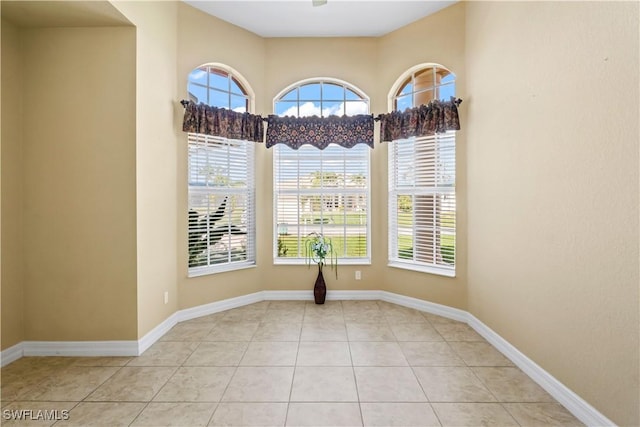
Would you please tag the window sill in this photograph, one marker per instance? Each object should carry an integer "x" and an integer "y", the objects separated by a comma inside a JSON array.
[
  {"x": 341, "y": 262},
  {"x": 204, "y": 271},
  {"x": 439, "y": 271}
]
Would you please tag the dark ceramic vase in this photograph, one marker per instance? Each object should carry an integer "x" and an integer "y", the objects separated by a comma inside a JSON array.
[{"x": 320, "y": 288}]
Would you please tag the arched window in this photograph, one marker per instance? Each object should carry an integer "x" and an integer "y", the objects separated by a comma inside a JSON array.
[
  {"x": 325, "y": 191},
  {"x": 216, "y": 85},
  {"x": 221, "y": 180},
  {"x": 422, "y": 177}
]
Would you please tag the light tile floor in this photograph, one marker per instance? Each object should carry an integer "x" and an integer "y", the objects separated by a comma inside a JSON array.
[{"x": 348, "y": 363}]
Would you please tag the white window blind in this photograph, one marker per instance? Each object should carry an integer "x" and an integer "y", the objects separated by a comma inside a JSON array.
[
  {"x": 221, "y": 204},
  {"x": 324, "y": 191},
  {"x": 422, "y": 203}
]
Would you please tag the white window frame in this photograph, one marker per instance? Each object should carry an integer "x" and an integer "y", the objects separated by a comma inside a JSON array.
[
  {"x": 301, "y": 260},
  {"x": 396, "y": 189},
  {"x": 224, "y": 145}
]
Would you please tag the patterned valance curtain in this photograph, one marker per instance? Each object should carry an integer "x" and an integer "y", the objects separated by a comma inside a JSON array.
[
  {"x": 345, "y": 131},
  {"x": 214, "y": 121},
  {"x": 435, "y": 117}
]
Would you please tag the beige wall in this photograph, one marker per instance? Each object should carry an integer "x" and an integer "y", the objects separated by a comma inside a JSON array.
[
  {"x": 155, "y": 162},
  {"x": 79, "y": 183},
  {"x": 553, "y": 190},
  {"x": 11, "y": 189},
  {"x": 438, "y": 39}
]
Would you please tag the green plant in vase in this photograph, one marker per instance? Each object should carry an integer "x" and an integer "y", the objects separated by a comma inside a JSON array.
[{"x": 319, "y": 249}]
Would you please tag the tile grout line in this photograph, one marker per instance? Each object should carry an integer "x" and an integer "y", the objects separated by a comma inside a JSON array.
[
  {"x": 295, "y": 365},
  {"x": 353, "y": 368}
]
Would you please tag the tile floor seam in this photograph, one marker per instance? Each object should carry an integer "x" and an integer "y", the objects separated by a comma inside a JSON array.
[
  {"x": 435, "y": 412},
  {"x": 295, "y": 366},
  {"x": 420, "y": 384},
  {"x": 495, "y": 396},
  {"x": 353, "y": 370},
  {"x": 101, "y": 384},
  {"x": 139, "y": 413},
  {"x": 215, "y": 408},
  {"x": 152, "y": 397},
  {"x": 502, "y": 404}
]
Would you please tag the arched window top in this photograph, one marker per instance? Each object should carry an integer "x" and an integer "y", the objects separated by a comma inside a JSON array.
[
  {"x": 321, "y": 97},
  {"x": 219, "y": 85},
  {"x": 422, "y": 84}
]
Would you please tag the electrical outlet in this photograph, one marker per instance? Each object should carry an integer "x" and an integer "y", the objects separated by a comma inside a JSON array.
[
  {"x": 166, "y": 297},
  {"x": 358, "y": 275}
]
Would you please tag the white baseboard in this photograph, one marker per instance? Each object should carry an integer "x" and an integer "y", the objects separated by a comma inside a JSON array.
[
  {"x": 287, "y": 295},
  {"x": 68, "y": 348},
  {"x": 352, "y": 295},
  {"x": 331, "y": 295},
  {"x": 218, "y": 306},
  {"x": 574, "y": 403},
  {"x": 11, "y": 354},
  {"x": 80, "y": 348},
  {"x": 426, "y": 306}
]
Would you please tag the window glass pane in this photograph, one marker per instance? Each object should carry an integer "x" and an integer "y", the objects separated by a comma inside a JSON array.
[
  {"x": 218, "y": 99},
  {"x": 356, "y": 107},
  {"x": 218, "y": 79},
  {"x": 292, "y": 95},
  {"x": 446, "y": 92},
  {"x": 239, "y": 103},
  {"x": 288, "y": 244},
  {"x": 286, "y": 108},
  {"x": 404, "y": 102},
  {"x": 404, "y": 230},
  {"x": 447, "y": 77},
  {"x": 406, "y": 87},
  {"x": 310, "y": 92},
  {"x": 236, "y": 87},
  {"x": 332, "y": 108},
  {"x": 310, "y": 109},
  {"x": 351, "y": 95},
  {"x": 424, "y": 79},
  {"x": 332, "y": 92},
  {"x": 423, "y": 97},
  {"x": 199, "y": 75},
  {"x": 197, "y": 93}
]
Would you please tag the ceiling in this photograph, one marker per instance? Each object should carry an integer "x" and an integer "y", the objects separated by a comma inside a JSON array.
[{"x": 337, "y": 18}]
